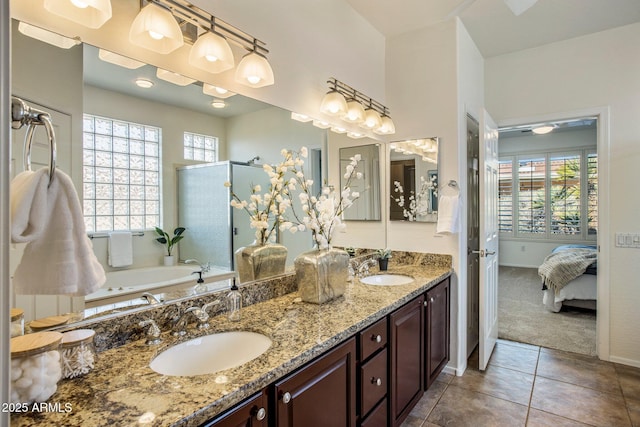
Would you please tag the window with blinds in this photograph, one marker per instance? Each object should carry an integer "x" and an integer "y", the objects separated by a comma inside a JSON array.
[
  {"x": 121, "y": 175},
  {"x": 549, "y": 195}
]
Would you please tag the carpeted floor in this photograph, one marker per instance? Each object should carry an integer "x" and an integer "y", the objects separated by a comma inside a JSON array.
[{"x": 523, "y": 318}]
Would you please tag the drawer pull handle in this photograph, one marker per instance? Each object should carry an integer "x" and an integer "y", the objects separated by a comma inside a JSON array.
[
  {"x": 261, "y": 414},
  {"x": 376, "y": 338},
  {"x": 286, "y": 398},
  {"x": 376, "y": 381}
]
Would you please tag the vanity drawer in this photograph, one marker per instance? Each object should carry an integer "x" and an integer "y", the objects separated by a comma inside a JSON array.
[
  {"x": 373, "y": 338},
  {"x": 373, "y": 381},
  {"x": 377, "y": 417}
]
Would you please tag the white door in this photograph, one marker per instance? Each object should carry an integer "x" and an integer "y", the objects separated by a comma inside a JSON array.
[{"x": 488, "y": 238}]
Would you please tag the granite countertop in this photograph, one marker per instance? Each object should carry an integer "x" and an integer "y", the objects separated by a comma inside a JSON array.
[{"x": 123, "y": 390}]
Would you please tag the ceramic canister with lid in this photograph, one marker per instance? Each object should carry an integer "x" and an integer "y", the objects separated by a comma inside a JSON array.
[
  {"x": 17, "y": 322},
  {"x": 78, "y": 352},
  {"x": 35, "y": 366}
]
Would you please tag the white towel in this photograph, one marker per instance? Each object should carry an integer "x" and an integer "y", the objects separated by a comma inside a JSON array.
[
  {"x": 448, "y": 214},
  {"x": 120, "y": 249},
  {"x": 59, "y": 258}
]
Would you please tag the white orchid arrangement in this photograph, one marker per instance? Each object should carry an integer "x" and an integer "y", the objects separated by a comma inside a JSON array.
[
  {"x": 419, "y": 203},
  {"x": 322, "y": 212},
  {"x": 266, "y": 210}
]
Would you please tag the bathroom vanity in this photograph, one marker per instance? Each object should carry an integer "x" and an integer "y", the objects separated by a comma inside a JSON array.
[{"x": 362, "y": 359}]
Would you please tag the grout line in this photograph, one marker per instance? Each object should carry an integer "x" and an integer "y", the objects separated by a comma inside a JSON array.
[{"x": 533, "y": 385}]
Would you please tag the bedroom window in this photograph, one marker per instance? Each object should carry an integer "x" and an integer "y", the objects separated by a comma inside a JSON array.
[
  {"x": 121, "y": 174},
  {"x": 549, "y": 195},
  {"x": 200, "y": 147}
]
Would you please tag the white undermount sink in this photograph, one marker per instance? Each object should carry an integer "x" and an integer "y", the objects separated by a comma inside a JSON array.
[
  {"x": 386, "y": 280},
  {"x": 210, "y": 353}
]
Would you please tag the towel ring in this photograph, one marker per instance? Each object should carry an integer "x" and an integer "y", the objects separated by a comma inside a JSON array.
[{"x": 22, "y": 114}]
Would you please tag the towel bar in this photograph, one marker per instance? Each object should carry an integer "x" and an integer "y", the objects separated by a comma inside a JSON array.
[{"x": 100, "y": 235}]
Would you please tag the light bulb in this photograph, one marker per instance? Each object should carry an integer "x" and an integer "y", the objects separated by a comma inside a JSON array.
[
  {"x": 254, "y": 80},
  {"x": 79, "y": 4},
  {"x": 155, "y": 36},
  {"x": 211, "y": 58}
]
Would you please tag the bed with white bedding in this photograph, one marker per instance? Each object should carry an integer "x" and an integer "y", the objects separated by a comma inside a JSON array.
[{"x": 569, "y": 277}]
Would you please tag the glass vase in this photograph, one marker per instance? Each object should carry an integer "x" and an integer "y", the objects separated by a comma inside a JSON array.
[
  {"x": 322, "y": 274},
  {"x": 256, "y": 261}
]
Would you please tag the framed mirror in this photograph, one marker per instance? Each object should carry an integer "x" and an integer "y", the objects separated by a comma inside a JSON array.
[
  {"x": 367, "y": 206},
  {"x": 413, "y": 180}
]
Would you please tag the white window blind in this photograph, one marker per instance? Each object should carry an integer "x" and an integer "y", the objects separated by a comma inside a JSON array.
[{"x": 505, "y": 195}]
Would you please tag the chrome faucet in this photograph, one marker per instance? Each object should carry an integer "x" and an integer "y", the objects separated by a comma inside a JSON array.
[
  {"x": 150, "y": 298},
  {"x": 203, "y": 267},
  {"x": 153, "y": 333},
  {"x": 201, "y": 315},
  {"x": 362, "y": 269}
]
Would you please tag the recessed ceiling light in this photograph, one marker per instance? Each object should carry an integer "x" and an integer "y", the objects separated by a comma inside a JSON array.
[
  {"x": 300, "y": 117},
  {"x": 541, "y": 130},
  {"x": 144, "y": 83},
  {"x": 218, "y": 103}
]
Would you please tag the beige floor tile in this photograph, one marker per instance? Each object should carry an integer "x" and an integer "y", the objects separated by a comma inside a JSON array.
[
  {"x": 445, "y": 378},
  {"x": 459, "y": 407},
  {"x": 544, "y": 419},
  {"x": 504, "y": 383},
  {"x": 519, "y": 344},
  {"x": 514, "y": 357},
  {"x": 429, "y": 400},
  {"x": 412, "y": 421},
  {"x": 578, "y": 369},
  {"x": 583, "y": 404},
  {"x": 629, "y": 378},
  {"x": 634, "y": 411}
]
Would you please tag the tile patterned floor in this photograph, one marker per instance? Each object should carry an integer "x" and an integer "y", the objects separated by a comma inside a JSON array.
[{"x": 526, "y": 385}]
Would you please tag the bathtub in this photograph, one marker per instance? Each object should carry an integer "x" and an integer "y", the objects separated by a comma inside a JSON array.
[{"x": 130, "y": 284}]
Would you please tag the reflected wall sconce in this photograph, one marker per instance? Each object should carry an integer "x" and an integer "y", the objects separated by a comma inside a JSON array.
[
  {"x": 217, "y": 91},
  {"x": 164, "y": 25},
  {"x": 90, "y": 13},
  {"x": 301, "y": 117},
  {"x": 175, "y": 78},
  {"x": 47, "y": 36},
  {"x": 353, "y": 106},
  {"x": 120, "y": 60}
]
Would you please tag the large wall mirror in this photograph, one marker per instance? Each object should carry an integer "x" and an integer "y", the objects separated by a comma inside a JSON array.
[
  {"x": 367, "y": 206},
  {"x": 413, "y": 184},
  {"x": 76, "y": 82}
]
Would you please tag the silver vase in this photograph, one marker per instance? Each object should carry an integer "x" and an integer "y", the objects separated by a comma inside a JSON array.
[
  {"x": 322, "y": 275},
  {"x": 256, "y": 261}
]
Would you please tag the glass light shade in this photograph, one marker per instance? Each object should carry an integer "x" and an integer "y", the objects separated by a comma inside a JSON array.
[
  {"x": 372, "y": 119},
  {"x": 175, "y": 78},
  {"x": 321, "y": 124},
  {"x": 120, "y": 60},
  {"x": 355, "y": 135},
  {"x": 334, "y": 104},
  {"x": 89, "y": 13},
  {"x": 300, "y": 117},
  {"x": 387, "y": 127},
  {"x": 211, "y": 53},
  {"x": 254, "y": 71},
  {"x": 541, "y": 130},
  {"x": 355, "y": 112},
  {"x": 216, "y": 91},
  {"x": 338, "y": 129},
  {"x": 156, "y": 29},
  {"x": 47, "y": 36}
]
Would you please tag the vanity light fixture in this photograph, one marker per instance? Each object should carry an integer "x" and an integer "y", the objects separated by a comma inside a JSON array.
[
  {"x": 321, "y": 124},
  {"x": 301, "y": 117},
  {"x": 144, "y": 83},
  {"x": 541, "y": 130},
  {"x": 254, "y": 70},
  {"x": 90, "y": 13},
  {"x": 217, "y": 91},
  {"x": 175, "y": 78},
  {"x": 47, "y": 36},
  {"x": 338, "y": 129},
  {"x": 155, "y": 28},
  {"x": 355, "y": 135},
  {"x": 211, "y": 52},
  {"x": 120, "y": 60},
  {"x": 359, "y": 109},
  {"x": 218, "y": 103}
]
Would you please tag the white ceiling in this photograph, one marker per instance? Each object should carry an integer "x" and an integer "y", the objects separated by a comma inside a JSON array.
[{"x": 492, "y": 25}]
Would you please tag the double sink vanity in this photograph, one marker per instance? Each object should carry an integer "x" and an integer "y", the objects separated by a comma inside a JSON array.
[{"x": 364, "y": 358}]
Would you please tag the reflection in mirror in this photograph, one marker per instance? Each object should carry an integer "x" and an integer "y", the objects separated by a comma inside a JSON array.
[
  {"x": 414, "y": 180},
  {"x": 76, "y": 82},
  {"x": 367, "y": 206}
]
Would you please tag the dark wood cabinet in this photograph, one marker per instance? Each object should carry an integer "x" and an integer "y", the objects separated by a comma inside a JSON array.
[
  {"x": 251, "y": 413},
  {"x": 437, "y": 330},
  {"x": 406, "y": 344},
  {"x": 321, "y": 394}
]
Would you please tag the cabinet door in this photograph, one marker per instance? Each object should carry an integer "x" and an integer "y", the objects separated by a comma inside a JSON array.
[
  {"x": 437, "y": 330},
  {"x": 407, "y": 362},
  {"x": 250, "y": 413},
  {"x": 321, "y": 394}
]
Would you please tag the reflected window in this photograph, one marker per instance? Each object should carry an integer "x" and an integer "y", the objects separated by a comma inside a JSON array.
[
  {"x": 201, "y": 148},
  {"x": 121, "y": 174}
]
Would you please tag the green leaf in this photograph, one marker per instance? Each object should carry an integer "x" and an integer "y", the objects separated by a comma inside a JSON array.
[
  {"x": 159, "y": 231},
  {"x": 178, "y": 231},
  {"x": 162, "y": 240},
  {"x": 176, "y": 239}
]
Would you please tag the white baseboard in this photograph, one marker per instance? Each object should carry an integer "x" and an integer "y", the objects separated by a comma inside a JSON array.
[
  {"x": 453, "y": 371},
  {"x": 518, "y": 265},
  {"x": 624, "y": 361}
]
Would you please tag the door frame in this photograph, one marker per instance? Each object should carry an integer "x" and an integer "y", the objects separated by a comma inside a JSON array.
[{"x": 603, "y": 147}]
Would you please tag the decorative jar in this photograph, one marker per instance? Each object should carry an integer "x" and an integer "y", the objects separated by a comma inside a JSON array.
[
  {"x": 78, "y": 352},
  {"x": 35, "y": 367},
  {"x": 322, "y": 274},
  {"x": 256, "y": 261},
  {"x": 17, "y": 322}
]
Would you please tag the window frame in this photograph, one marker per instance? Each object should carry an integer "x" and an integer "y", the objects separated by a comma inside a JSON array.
[
  {"x": 215, "y": 150},
  {"x": 515, "y": 233}
]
